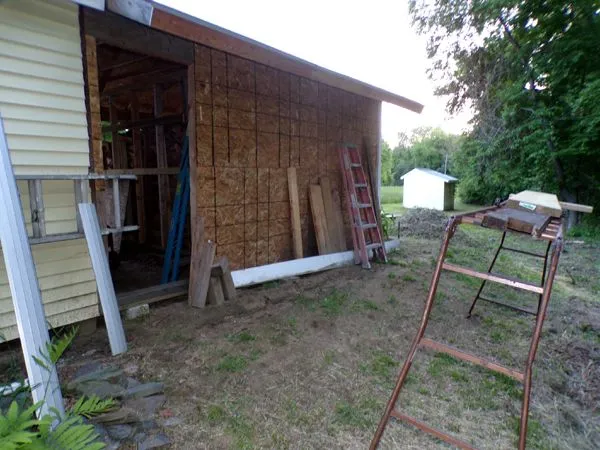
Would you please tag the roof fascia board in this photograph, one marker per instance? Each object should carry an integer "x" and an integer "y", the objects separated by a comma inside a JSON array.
[
  {"x": 183, "y": 25},
  {"x": 137, "y": 10}
]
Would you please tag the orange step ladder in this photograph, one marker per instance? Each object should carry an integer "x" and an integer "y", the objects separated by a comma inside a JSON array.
[{"x": 366, "y": 235}]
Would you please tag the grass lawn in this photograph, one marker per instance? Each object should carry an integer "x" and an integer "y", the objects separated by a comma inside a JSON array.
[
  {"x": 391, "y": 201},
  {"x": 309, "y": 363}
]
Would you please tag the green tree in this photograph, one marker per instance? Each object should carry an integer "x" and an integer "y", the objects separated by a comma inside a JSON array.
[
  {"x": 426, "y": 147},
  {"x": 530, "y": 72},
  {"x": 386, "y": 164}
]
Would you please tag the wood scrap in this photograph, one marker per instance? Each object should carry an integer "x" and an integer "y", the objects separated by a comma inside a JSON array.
[
  {"x": 295, "y": 212},
  {"x": 222, "y": 271},
  {"x": 203, "y": 254},
  {"x": 215, "y": 294},
  {"x": 537, "y": 202},
  {"x": 334, "y": 225},
  {"x": 516, "y": 220},
  {"x": 577, "y": 207},
  {"x": 319, "y": 219}
]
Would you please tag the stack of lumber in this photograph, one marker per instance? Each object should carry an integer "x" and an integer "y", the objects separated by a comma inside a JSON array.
[
  {"x": 327, "y": 218},
  {"x": 529, "y": 212},
  {"x": 210, "y": 282}
]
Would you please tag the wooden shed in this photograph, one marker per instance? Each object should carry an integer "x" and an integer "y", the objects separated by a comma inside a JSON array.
[
  {"x": 426, "y": 188},
  {"x": 115, "y": 89}
]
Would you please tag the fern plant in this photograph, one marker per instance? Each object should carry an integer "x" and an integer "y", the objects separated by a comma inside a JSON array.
[{"x": 20, "y": 430}]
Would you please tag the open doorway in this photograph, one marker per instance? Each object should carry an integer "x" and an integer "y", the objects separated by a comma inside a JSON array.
[{"x": 143, "y": 118}]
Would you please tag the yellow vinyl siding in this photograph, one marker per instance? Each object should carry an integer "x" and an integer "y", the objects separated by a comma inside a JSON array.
[
  {"x": 42, "y": 103},
  {"x": 41, "y": 86}
]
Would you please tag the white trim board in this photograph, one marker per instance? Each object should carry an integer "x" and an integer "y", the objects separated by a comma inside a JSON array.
[{"x": 296, "y": 267}]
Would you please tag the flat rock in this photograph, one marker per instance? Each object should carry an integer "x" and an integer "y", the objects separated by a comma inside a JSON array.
[
  {"x": 157, "y": 441},
  {"x": 102, "y": 389},
  {"x": 144, "y": 390},
  {"x": 131, "y": 382},
  {"x": 145, "y": 407},
  {"x": 100, "y": 374},
  {"x": 118, "y": 416},
  {"x": 87, "y": 368},
  {"x": 119, "y": 432},
  {"x": 172, "y": 422}
]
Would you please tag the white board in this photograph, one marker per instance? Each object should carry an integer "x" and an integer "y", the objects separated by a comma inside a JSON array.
[
  {"x": 106, "y": 289},
  {"x": 25, "y": 290}
]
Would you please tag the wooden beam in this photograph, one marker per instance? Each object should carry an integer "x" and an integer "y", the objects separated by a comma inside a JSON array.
[
  {"x": 319, "y": 219},
  {"x": 25, "y": 290},
  {"x": 226, "y": 279},
  {"x": 161, "y": 163},
  {"x": 577, "y": 207},
  {"x": 106, "y": 289},
  {"x": 144, "y": 171},
  {"x": 153, "y": 294},
  {"x": 205, "y": 33},
  {"x": 295, "y": 212},
  {"x": 334, "y": 226},
  {"x": 215, "y": 294},
  {"x": 142, "y": 123},
  {"x": 142, "y": 82},
  {"x": 138, "y": 159},
  {"x": 127, "y": 34},
  {"x": 191, "y": 134}
]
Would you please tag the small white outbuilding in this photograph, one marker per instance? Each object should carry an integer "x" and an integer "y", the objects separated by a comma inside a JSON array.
[{"x": 426, "y": 188}]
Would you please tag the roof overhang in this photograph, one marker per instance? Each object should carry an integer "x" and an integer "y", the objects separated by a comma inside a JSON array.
[{"x": 177, "y": 23}]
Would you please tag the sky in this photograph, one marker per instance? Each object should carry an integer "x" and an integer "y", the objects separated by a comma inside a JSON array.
[{"x": 372, "y": 41}]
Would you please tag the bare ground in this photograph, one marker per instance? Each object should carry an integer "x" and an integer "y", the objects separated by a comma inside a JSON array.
[{"x": 309, "y": 363}]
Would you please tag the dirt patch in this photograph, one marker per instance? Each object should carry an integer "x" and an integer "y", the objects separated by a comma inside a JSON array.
[
  {"x": 310, "y": 362},
  {"x": 422, "y": 223}
]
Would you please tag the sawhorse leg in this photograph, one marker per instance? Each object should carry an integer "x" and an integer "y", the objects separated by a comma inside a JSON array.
[
  {"x": 535, "y": 340},
  {"x": 494, "y": 259},
  {"x": 489, "y": 270}
]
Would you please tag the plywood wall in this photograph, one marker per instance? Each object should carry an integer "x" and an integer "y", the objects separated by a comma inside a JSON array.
[{"x": 252, "y": 123}]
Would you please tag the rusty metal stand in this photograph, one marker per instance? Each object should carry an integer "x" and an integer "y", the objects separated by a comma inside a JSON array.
[
  {"x": 515, "y": 250},
  {"x": 553, "y": 234}
]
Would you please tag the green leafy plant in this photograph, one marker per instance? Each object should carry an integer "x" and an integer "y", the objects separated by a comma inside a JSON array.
[
  {"x": 21, "y": 430},
  {"x": 387, "y": 224}
]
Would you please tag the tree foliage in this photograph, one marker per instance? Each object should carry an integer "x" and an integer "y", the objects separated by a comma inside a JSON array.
[
  {"x": 530, "y": 71},
  {"x": 426, "y": 147}
]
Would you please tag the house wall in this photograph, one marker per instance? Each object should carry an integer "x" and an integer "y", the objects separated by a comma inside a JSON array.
[
  {"x": 423, "y": 191},
  {"x": 42, "y": 103},
  {"x": 252, "y": 123}
]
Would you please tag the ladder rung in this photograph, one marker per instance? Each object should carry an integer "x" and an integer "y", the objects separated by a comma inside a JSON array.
[
  {"x": 516, "y": 308},
  {"x": 360, "y": 185},
  {"x": 438, "y": 347},
  {"x": 364, "y": 205},
  {"x": 373, "y": 246},
  {"x": 494, "y": 278},
  {"x": 368, "y": 226},
  {"x": 431, "y": 430},
  {"x": 524, "y": 252}
]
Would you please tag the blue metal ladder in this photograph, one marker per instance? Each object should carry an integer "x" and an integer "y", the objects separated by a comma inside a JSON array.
[{"x": 178, "y": 218}]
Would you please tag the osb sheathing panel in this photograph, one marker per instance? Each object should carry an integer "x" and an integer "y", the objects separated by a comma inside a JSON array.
[{"x": 252, "y": 123}]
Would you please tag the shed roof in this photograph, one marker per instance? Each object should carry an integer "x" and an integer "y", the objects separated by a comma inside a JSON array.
[
  {"x": 445, "y": 178},
  {"x": 178, "y": 23}
]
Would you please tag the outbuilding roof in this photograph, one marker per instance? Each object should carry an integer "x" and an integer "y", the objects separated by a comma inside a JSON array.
[
  {"x": 433, "y": 173},
  {"x": 180, "y": 24}
]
